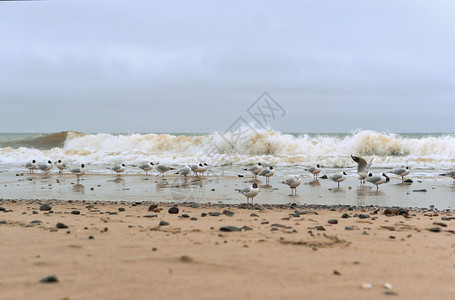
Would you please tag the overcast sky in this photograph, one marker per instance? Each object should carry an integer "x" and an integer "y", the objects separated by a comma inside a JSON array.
[{"x": 196, "y": 66}]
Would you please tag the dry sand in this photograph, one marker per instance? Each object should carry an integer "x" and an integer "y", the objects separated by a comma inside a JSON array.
[{"x": 283, "y": 256}]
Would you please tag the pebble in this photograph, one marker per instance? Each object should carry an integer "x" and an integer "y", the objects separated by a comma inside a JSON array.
[
  {"x": 320, "y": 227},
  {"x": 173, "y": 210},
  {"x": 390, "y": 293},
  {"x": 419, "y": 191},
  {"x": 345, "y": 216},
  {"x": 91, "y": 237},
  {"x": 229, "y": 228},
  {"x": 366, "y": 285},
  {"x": 61, "y": 226},
  {"x": 440, "y": 224},
  {"x": 349, "y": 228},
  {"x": 164, "y": 223},
  {"x": 253, "y": 215},
  {"x": 335, "y": 272},
  {"x": 150, "y": 216},
  {"x": 152, "y": 207},
  {"x": 435, "y": 229},
  {"x": 364, "y": 216},
  {"x": 214, "y": 214},
  {"x": 332, "y": 221},
  {"x": 45, "y": 207},
  {"x": 391, "y": 211},
  {"x": 75, "y": 212},
  {"x": 49, "y": 279},
  {"x": 121, "y": 209},
  {"x": 193, "y": 219},
  {"x": 185, "y": 216},
  {"x": 2, "y": 208},
  {"x": 203, "y": 214}
]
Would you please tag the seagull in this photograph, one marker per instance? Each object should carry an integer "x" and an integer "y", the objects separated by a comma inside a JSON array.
[
  {"x": 119, "y": 169},
  {"x": 78, "y": 171},
  {"x": 249, "y": 192},
  {"x": 450, "y": 174},
  {"x": 338, "y": 177},
  {"x": 402, "y": 172},
  {"x": 377, "y": 179},
  {"x": 31, "y": 165},
  {"x": 197, "y": 168},
  {"x": 255, "y": 169},
  {"x": 47, "y": 167},
  {"x": 293, "y": 183},
  {"x": 362, "y": 167},
  {"x": 315, "y": 171},
  {"x": 61, "y": 166},
  {"x": 146, "y": 167},
  {"x": 267, "y": 173},
  {"x": 204, "y": 168},
  {"x": 184, "y": 171},
  {"x": 163, "y": 168}
]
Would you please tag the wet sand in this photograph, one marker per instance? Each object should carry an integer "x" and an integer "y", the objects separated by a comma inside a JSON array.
[{"x": 118, "y": 250}]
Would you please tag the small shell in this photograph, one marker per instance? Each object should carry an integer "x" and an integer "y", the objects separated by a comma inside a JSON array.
[
  {"x": 388, "y": 286},
  {"x": 366, "y": 285}
]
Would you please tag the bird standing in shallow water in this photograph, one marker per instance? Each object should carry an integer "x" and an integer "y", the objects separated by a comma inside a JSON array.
[
  {"x": 377, "y": 179},
  {"x": 362, "y": 167},
  {"x": 338, "y": 178},
  {"x": 267, "y": 173},
  {"x": 402, "y": 172},
  {"x": 315, "y": 171},
  {"x": 146, "y": 167},
  {"x": 31, "y": 166},
  {"x": 293, "y": 183},
  {"x": 249, "y": 192},
  {"x": 78, "y": 171},
  {"x": 255, "y": 169},
  {"x": 119, "y": 169}
]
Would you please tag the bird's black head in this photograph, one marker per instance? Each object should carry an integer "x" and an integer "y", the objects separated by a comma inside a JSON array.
[
  {"x": 407, "y": 168},
  {"x": 371, "y": 174},
  {"x": 383, "y": 174},
  {"x": 205, "y": 164},
  {"x": 255, "y": 185},
  {"x": 151, "y": 163},
  {"x": 33, "y": 161},
  {"x": 49, "y": 162},
  {"x": 200, "y": 165},
  {"x": 355, "y": 158},
  {"x": 344, "y": 173},
  {"x": 82, "y": 165},
  {"x": 259, "y": 164},
  {"x": 318, "y": 166},
  {"x": 123, "y": 165},
  {"x": 59, "y": 161},
  {"x": 271, "y": 168}
]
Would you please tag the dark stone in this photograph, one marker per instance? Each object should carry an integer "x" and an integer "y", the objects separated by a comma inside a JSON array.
[
  {"x": 323, "y": 177},
  {"x": 227, "y": 213},
  {"x": 75, "y": 212},
  {"x": 214, "y": 214},
  {"x": 332, "y": 221},
  {"x": 152, "y": 207},
  {"x": 91, "y": 237},
  {"x": 253, "y": 215},
  {"x": 164, "y": 223},
  {"x": 3, "y": 222},
  {"x": 274, "y": 229},
  {"x": 390, "y": 211},
  {"x": 435, "y": 229},
  {"x": 173, "y": 210},
  {"x": 34, "y": 212},
  {"x": 321, "y": 228},
  {"x": 45, "y": 207},
  {"x": 420, "y": 191},
  {"x": 408, "y": 181},
  {"x": 349, "y": 228},
  {"x": 49, "y": 279},
  {"x": 203, "y": 214},
  {"x": 440, "y": 224},
  {"x": 247, "y": 228},
  {"x": 121, "y": 209},
  {"x": 185, "y": 216},
  {"x": 229, "y": 228},
  {"x": 335, "y": 272},
  {"x": 345, "y": 216},
  {"x": 61, "y": 226},
  {"x": 364, "y": 216},
  {"x": 2, "y": 208},
  {"x": 193, "y": 219},
  {"x": 150, "y": 216}
]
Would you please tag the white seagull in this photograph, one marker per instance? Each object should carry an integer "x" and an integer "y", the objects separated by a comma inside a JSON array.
[
  {"x": 78, "y": 171},
  {"x": 31, "y": 165},
  {"x": 377, "y": 179},
  {"x": 338, "y": 177},
  {"x": 450, "y": 174},
  {"x": 47, "y": 167},
  {"x": 315, "y": 170},
  {"x": 163, "y": 169},
  {"x": 146, "y": 167},
  {"x": 362, "y": 167},
  {"x": 249, "y": 192},
  {"x": 204, "y": 168},
  {"x": 119, "y": 169},
  {"x": 267, "y": 173},
  {"x": 293, "y": 183},
  {"x": 197, "y": 169},
  {"x": 185, "y": 171},
  {"x": 255, "y": 169},
  {"x": 402, "y": 172},
  {"x": 61, "y": 166}
]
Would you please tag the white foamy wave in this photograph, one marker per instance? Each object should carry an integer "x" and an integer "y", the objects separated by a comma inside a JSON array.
[{"x": 247, "y": 146}]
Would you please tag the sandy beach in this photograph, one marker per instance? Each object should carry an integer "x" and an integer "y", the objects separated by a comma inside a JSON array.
[{"x": 125, "y": 250}]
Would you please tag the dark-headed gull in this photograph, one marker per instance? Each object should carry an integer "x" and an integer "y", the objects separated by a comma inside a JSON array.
[
  {"x": 377, "y": 179},
  {"x": 46, "y": 167},
  {"x": 267, "y": 173},
  {"x": 402, "y": 172},
  {"x": 249, "y": 192},
  {"x": 293, "y": 183},
  {"x": 255, "y": 169},
  {"x": 146, "y": 167},
  {"x": 338, "y": 177},
  {"x": 315, "y": 170},
  {"x": 31, "y": 165}
]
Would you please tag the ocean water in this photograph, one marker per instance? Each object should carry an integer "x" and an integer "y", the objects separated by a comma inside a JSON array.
[{"x": 229, "y": 153}]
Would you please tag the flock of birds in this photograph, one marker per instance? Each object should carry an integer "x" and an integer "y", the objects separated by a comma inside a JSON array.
[{"x": 249, "y": 192}]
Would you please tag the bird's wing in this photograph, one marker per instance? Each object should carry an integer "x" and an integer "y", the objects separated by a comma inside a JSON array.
[{"x": 361, "y": 163}]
